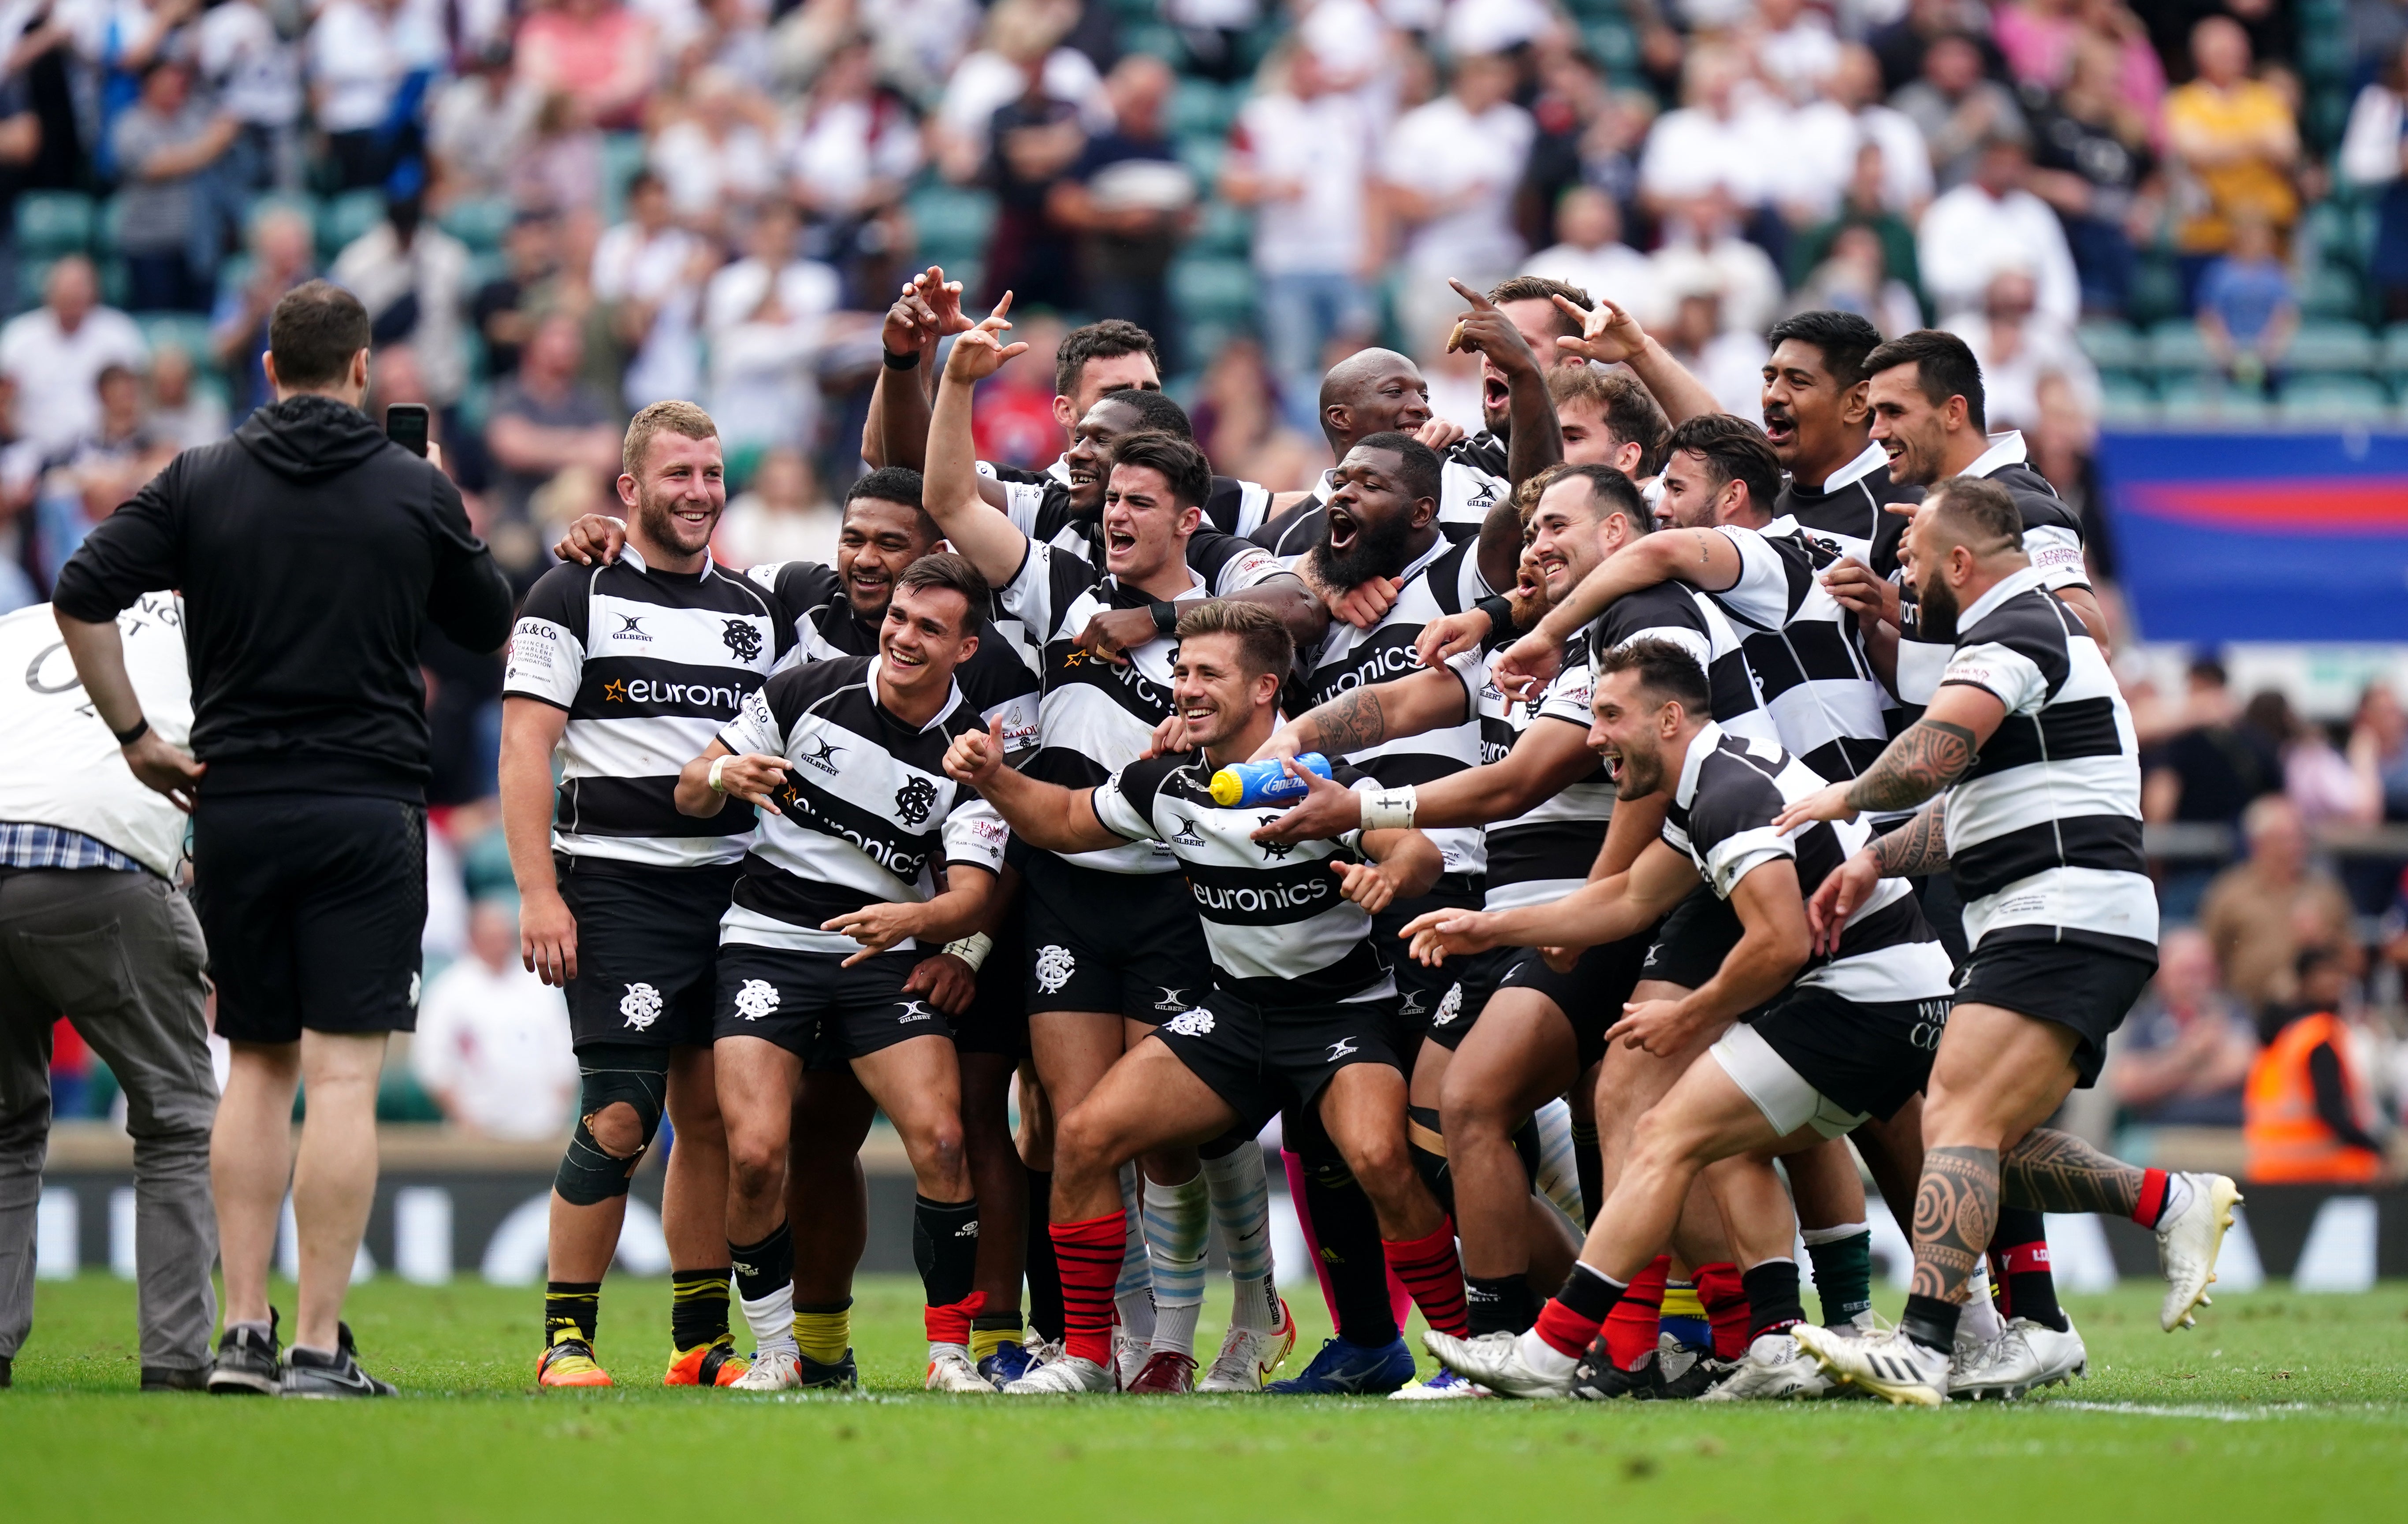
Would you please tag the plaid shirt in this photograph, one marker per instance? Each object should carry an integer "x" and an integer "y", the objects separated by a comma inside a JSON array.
[{"x": 27, "y": 845}]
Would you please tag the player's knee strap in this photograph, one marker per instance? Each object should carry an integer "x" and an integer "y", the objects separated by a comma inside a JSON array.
[
  {"x": 639, "y": 1078},
  {"x": 1427, "y": 1145},
  {"x": 1525, "y": 1143}
]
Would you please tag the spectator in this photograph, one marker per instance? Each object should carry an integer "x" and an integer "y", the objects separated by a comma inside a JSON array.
[
  {"x": 114, "y": 43},
  {"x": 1863, "y": 207},
  {"x": 1959, "y": 110},
  {"x": 282, "y": 247},
  {"x": 369, "y": 62},
  {"x": 2322, "y": 784},
  {"x": 56, "y": 353},
  {"x": 2092, "y": 163},
  {"x": 1032, "y": 141},
  {"x": 781, "y": 514},
  {"x": 1214, "y": 33},
  {"x": 480, "y": 124},
  {"x": 506, "y": 307},
  {"x": 1015, "y": 421},
  {"x": 2211, "y": 766},
  {"x": 1300, "y": 156},
  {"x": 84, "y": 483},
  {"x": 1728, "y": 357},
  {"x": 2044, "y": 41},
  {"x": 21, "y": 147},
  {"x": 650, "y": 272},
  {"x": 2264, "y": 911},
  {"x": 2181, "y": 1058},
  {"x": 1849, "y": 119},
  {"x": 1991, "y": 224},
  {"x": 2374, "y": 155},
  {"x": 855, "y": 151},
  {"x": 1449, "y": 169},
  {"x": 917, "y": 43},
  {"x": 491, "y": 1044},
  {"x": 182, "y": 414},
  {"x": 1023, "y": 62},
  {"x": 1593, "y": 256},
  {"x": 165, "y": 145},
  {"x": 1725, "y": 136},
  {"x": 544, "y": 421},
  {"x": 2233, "y": 141},
  {"x": 719, "y": 155},
  {"x": 561, "y": 167},
  {"x": 2019, "y": 348},
  {"x": 1903, "y": 45},
  {"x": 2378, "y": 743},
  {"x": 1130, "y": 200},
  {"x": 805, "y": 288},
  {"x": 765, "y": 386},
  {"x": 597, "y": 51},
  {"x": 412, "y": 277},
  {"x": 1794, "y": 46},
  {"x": 1856, "y": 278},
  {"x": 2249, "y": 312},
  {"x": 253, "y": 74},
  {"x": 2311, "y": 1111},
  {"x": 1703, "y": 251}
]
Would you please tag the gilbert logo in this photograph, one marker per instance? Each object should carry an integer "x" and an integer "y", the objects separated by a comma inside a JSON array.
[
  {"x": 631, "y": 627},
  {"x": 817, "y": 751}
]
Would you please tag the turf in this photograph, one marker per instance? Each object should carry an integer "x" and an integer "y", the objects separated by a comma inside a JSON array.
[{"x": 2279, "y": 1407}]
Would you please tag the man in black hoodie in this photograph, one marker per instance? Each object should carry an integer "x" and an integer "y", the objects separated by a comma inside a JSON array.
[{"x": 311, "y": 553}]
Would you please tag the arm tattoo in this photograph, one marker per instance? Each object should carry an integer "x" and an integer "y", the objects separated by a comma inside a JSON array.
[
  {"x": 1917, "y": 765},
  {"x": 1351, "y": 723},
  {"x": 1955, "y": 1210},
  {"x": 1919, "y": 846},
  {"x": 2056, "y": 1171}
]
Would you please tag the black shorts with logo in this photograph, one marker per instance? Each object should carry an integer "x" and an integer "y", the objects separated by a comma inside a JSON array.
[
  {"x": 1264, "y": 1061},
  {"x": 998, "y": 1019},
  {"x": 1125, "y": 942},
  {"x": 647, "y": 946},
  {"x": 313, "y": 906},
  {"x": 1440, "y": 1003},
  {"x": 2073, "y": 984},
  {"x": 1868, "y": 1056},
  {"x": 1693, "y": 940},
  {"x": 812, "y": 1006},
  {"x": 1591, "y": 995}
]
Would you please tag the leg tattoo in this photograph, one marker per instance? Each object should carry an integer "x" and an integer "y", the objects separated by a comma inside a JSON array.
[
  {"x": 2056, "y": 1171},
  {"x": 1956, "y": 1209}
]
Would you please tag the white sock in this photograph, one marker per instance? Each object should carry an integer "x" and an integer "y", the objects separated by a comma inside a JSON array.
[
  {"x": 771, "y": 1320},
  {"x": 1558, "y": 1163},
  {"x": 1240, "y": 1189},
  {"x": 1178, "y": 1223},
  {"x": 1980, "y": 1318},
  {"x": 2178, "y": 1195},
  {"x": 1133, "y": 1294},
  {"x": 1545, "y": 1358}
]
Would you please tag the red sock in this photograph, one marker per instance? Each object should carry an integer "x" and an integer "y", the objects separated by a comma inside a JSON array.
[
  {"x": 1631, "y": 1328},
  {"x": 2153, "y": 1198},
  {"x": 1726, "y": 1301},
  {"x": 1431, "y": 1271},
  {"x": 951, "y": 1324},
  {"x": 1565, "y": 1332},
  {"x": 1089, "y": 1255}
]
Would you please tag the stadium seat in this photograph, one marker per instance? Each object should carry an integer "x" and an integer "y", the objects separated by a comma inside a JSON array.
[
  {"x": 2126, "y": 397},
  {"x": 1225, "y": 230},
  {"x": 1199, "y": 108},
  {"x": 623, "y": 155},
  {"x": 480, "y": 223},
  {"x": 2157, "y": 289},
  {"x": 1203, "y": 155},
  {"x": 2332, "y": 291},
  {"x": 1214, "y": 290},
  {"x": 2196, "y": 400},
  {"x": 344, "y": 218},
  {"x": 2331, "y": 346},
  {"x": 2334, "y": 399},
  {"x": 2112, "y": 344},
  {"x": 1154, "y": 39},
  {"x": 104, "y": 227},
  {"x": 2394, "y": 356},
  {"x": 185, "y": 330},
  {"x": 50, "y": 223},
  {"x": 2176, "y": 349}
]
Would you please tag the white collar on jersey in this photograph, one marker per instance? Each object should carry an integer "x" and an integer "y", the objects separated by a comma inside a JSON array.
[
  {"x": 1786, "y": 525},
  {"x": 1709, "y": 736},
  {"x": 1873, "y": 458},
  {"x": 2005, "y": 450},
  {"x": 1060, "y": 469},
  {"x": 2005, "y": 588},
  {"x": 628, "y": 553},
  {"x": 952, "y": 697}
]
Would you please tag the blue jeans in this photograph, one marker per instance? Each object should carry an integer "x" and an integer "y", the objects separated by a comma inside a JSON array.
[{"x": 1300, "y": 313}]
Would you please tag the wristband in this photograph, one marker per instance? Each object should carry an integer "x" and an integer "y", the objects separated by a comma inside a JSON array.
[
  {"x": 899, "y": 361},
  {"x": 1499, "y": 610},
  {"x": 141, "y": 728},
  {"x": 1165, "y": 618},
  {"x": 1389, "y": 809},
  {"x": 717, "y": 766},
  {"x": 972, "y": 949}
]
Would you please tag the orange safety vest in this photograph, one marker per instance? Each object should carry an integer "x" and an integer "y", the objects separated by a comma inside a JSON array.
[{"x": 2287, "y": 1142}]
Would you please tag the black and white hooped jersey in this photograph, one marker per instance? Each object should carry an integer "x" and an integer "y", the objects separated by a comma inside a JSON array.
[
  {"x": 1280, "y": 930},
  {"x": 1850, "y": 512},
  {"x": 1038, "y": 503},
  {"x": 866, "y": 815},
  {"x": 1680, "y": 614},
  {"x": 2051, "y": 538},
  {"x": 1721, "y": 815},
  {"x": 1444, "y": 579},
  {"x": 1546, "y": 851},
  {"x": 1467, "y": 489},
  {"x": 2044, "y": 830},
  {"x": 1000, "y": 680},
  {"x": 1095, "y": 713},
  {"x": 1802, "y": 650},
  {"x": 648, "y": 666}
]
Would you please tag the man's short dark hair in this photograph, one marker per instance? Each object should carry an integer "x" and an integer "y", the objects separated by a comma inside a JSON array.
[
  {"x": 1107, "y": 340},
  {"x": 1631, "y": 414},
  {"x": 1665, "y": 672},
  {"x": 1263, "y": 642},
  {"x": 1155, "y": 412},
  {"x": 1537, "y": 288},
  {"x": 944, "y": 569},
  {"x": 1945, "y": 367},
  {"x": 1734, "y": 449},
  {"x": 1982, "y": 511},
  {"x": 1182, "y": 464},
  {"x": 313, "y": 332},
  {"x": 1843, "y": 338},
  {"x": 1612, "y": 493},
  {"x": 897, "y": 484},
  {"x": 1422, "y": 466}
]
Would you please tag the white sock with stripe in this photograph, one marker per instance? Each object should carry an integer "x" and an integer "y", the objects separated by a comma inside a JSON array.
[
  {"x": 1242, "y": 1209},
  {"x": 1178, "y": 1222}
]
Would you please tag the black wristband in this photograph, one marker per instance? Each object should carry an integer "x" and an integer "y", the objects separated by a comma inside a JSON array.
[
  {"x": 127, "y": 737},
  {"x": 1165, "y": 618},
  {"x": 899, "y": 361},
  {"x": 1499, "y": 610}
]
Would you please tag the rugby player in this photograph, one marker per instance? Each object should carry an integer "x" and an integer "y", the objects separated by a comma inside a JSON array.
[
  {"x": 838, "y": 904},
  {"x": 620, "y": 671},
  {"x": 1301, "y": 1004},
  {"x": 1836, "y": 482},
  {"x": 2026, "y": 770}
]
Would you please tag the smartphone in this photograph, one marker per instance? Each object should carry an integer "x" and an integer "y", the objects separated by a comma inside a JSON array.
[{"x": 405, "y": 424}]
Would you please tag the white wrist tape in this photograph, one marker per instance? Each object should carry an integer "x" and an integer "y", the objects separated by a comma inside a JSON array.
[
  {"x": 1389, "y": 809},
  {"x": 719, "y": 765},
  {"x": 972, "y": 949}
]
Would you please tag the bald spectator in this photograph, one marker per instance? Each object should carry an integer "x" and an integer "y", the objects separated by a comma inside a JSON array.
[
  {"x": 2233, "y": 141},
  {"x": 2263, "y": 912},
  {"x": 56, "y": 353},
  {"x": 545, "y": 420},
  {"x": 2182, "y": 1057}
]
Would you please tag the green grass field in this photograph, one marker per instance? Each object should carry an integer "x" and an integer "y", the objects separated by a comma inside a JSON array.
[{"x": 2280, "y": 1407}]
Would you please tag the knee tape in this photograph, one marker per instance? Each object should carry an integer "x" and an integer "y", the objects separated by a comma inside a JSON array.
[
  {"x": 1427, "y": 1145},
  {"x": 638, "y": 1077}
]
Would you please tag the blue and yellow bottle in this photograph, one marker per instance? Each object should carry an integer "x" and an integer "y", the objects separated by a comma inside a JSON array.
[{"x": 1266, "y": 782}]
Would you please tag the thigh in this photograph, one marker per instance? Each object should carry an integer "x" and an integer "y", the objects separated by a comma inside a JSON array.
[
  {"x": 917, "y": 1082},
  {"x": 1522, "y": 1052},
  {"x": 1221, "y": 1043},
  {"x": 241, "y": 893},
  {"x": 154, "y": 1036},
  {"x": 756, "y": 1080},
  {"x": 2083, "y": 990},
  {"x": 1072, "y": 1049},
  {"x": 1362, "y": 1109},
  {"x": 1998, "y": 1074},
  {"x": 1307, "y": 1051},
  {"x": 359, "y": 915},
  {"x": 1708, "y": 1114},
  {"x": 1153, "y": 1099},
  {"x": 866, "y": 1011}
]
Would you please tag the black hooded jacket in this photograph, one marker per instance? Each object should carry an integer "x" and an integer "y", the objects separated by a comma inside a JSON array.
[{"x": 311, "y": 552}]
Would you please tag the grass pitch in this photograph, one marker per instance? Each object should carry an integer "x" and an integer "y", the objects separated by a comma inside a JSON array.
[{"x": 2281, "y": 1408}]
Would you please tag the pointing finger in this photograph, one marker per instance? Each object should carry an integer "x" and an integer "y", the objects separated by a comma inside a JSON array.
[{"x": 1479, "y": 303}]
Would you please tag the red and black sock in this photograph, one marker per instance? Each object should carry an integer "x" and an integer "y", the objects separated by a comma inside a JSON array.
[
  {"x": 1089, "y": 1255},
  {"x": 944, "y": 1247},
  {"x": 2152, "y": 1205},
  {"x": 2019, "y": 1268},
  {"x": 1431, "y": 1271},
  {"x": 1772, "y": 1300},
  {"x": 1499, "y": 1304},
  {"x": 1725, "y": 1297},
  {"x": 1569, "y": 1320},
  {"x": 1630, "y": 1330}
]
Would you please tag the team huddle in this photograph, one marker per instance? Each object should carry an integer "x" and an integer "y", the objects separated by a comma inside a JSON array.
[{"x": 1573, "y": 832}]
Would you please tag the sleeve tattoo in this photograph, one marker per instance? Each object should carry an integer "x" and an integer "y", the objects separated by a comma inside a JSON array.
[
  {"x": 1351, "y": 723},
  {"x": 1918, "y": 847},
  {"x": 1914, "y": 767}
]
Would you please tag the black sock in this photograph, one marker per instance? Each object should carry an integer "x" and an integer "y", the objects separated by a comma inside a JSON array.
[
  {"x": 697, "y": 1306},
  {"x": 1350, "y": 1250},
  {"x": 570, "y": 1306},
  {"x": 2019, "y": 1266},
  {"x": 944, "y": 1247},
  {"x": 1772, "y": 1300},
  {"x": 762, "y": 1268},
  {"x": 1044, "y": 1277},
  {"x": 1499, "y": 1304},
  {"x": 1844, "y": 1276},
  {"x": 1590, "y": 1162},
  {"x": 1930, "y": 1322},
  {"x": 1587, "y": 1293}
]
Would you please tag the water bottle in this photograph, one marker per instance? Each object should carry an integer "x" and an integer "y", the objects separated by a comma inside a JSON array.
[{"x": 1264, "y": 782}]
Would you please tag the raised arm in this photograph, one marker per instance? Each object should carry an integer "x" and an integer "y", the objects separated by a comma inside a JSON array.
[
  {"x": 951, "y": 480},
  {"x": 1046, "y": 816},
  {"x": 1538, "y": 440},
  {"x": 1703, "y": 558},
  {"x": 1611, "y": 335}
]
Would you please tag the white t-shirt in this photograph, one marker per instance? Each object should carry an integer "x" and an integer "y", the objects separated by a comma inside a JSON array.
[
  {"x": 987, "y": 81},
  {"x": 1969, "y": 236},
  {"x": 806, "y": 289},
  {"x": 54, "y": 370},
  {"x": 1614, "y": 272},
  {"x": 1751, "y": 287},
  {"x": 499, "y": 1043},
  {"x": 1443, "y": 151},
  {"x": 839, "y": 149},
  {"x": 1325, "y": 144},
  {"x": 627, "y": 264},
  {"x": 255, "y": 72},
  {"x": 1691, "y": 150},
  {"x": 357, "y": 56},
  {"x": 703, "y": 177}
]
